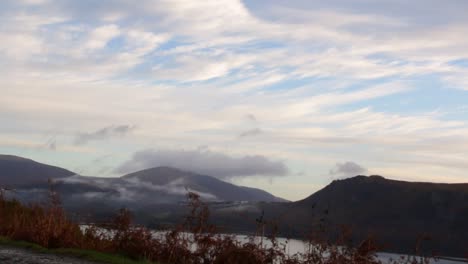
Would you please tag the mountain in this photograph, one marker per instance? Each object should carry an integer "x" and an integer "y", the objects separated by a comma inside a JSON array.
[
  {"x": 208, "y": 187},
  {"x": 397, "y": 213},
  {"x": 16, "y": 171},
  {"x": 162, "y": 185}
]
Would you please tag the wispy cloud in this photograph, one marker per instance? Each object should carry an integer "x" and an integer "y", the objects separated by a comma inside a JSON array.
[
  {"x": 103, "y": 134},
  {"x": 51, "y": 143},
  {"x": 251, "y": 133}
]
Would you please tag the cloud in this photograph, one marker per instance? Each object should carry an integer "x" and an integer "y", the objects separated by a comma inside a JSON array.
[
  {"x": 99, "y": 37},
  {"x": 103, "y": 134},
  {"x": 251, "y": 117},
  {"x": 51, "y": 144},
  {"x": 205, "y": 162},
  {"x": 132, "y": 189},
  {"x": 176, "y": 187},
  {"x": 251, "y": 133},
  {"x": 348, "y": 168}
]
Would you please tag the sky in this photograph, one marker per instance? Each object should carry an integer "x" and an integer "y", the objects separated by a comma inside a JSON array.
[{"x": 281, "y": 95}]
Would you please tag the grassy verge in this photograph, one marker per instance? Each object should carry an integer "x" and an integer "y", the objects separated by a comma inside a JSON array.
[{"x": 72, "y": 252}]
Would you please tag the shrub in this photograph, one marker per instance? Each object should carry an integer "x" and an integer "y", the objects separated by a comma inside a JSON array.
[{"x": 193, "y": 242}]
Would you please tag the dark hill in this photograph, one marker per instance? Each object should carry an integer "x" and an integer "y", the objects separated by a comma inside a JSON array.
[
  {"x": 396, "y": 212},
  {"x": 162, "y": 185},
  {"x": 216, "y": 189},
  {"x": 16, "y": 171}
]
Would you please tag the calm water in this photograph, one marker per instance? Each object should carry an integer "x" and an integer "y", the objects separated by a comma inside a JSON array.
[{"x": 293, "y": 246}]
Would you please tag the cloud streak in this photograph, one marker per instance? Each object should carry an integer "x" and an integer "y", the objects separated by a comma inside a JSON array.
[
  {"x": 103, "y": 134},
  {"x": 251, "y": 133},
  {"x": 205, "y": 162}
]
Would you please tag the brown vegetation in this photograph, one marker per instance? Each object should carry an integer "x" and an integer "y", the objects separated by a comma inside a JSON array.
[{"x": 195, "y": 241}]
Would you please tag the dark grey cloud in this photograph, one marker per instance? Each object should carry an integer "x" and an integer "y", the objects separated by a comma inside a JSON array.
[
  {"x": 251, "y": 117},
  {"x": 51, "y": 143},
  {"x": 103, "y": 133},
  {"x": 205, "y": 162},
  {"x": 251, "y": 133},
  {"x": 348, "y": 168}
]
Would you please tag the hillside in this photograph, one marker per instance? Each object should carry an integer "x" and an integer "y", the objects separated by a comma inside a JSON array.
[
  {"x": 209, "y": 187},
  {"x": 162, "y": 185},
  {"x": 396, "y": 212},
  {"x": 16, "y": 171}
]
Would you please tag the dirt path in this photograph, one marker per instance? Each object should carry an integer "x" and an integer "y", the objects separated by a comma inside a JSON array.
[{"x": 21, "y": 256}]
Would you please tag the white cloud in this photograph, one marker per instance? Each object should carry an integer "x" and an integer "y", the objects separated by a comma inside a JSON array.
[
  {"x": 100, "y": 36},
  {"x": 200, "y": 67},
  {"x": 34, "y": 2}
]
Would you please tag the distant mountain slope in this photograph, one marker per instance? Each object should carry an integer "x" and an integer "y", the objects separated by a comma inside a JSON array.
[
  {"x": 16, "y": 171},
  {"x": 209, "y": 187},
  {"x": 152, "y": 186},
  {"x": 395, "y": 211}
]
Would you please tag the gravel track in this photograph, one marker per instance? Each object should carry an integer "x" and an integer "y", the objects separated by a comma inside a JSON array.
[{"x": 10, "y": 255}]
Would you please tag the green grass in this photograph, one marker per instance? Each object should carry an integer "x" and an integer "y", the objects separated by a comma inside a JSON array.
[{"x": 72, "y": 252}]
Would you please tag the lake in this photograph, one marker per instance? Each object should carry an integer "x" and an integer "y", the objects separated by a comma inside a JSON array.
[{"x": 293, "y": 246}]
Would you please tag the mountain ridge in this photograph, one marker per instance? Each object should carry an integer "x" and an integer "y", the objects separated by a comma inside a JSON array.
[
  {"x": 170, "y": 184},
  {"x": 17, "y": 171},
  {"x": 396, "y": 212},
  {"x": 198, "y": 182}
]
